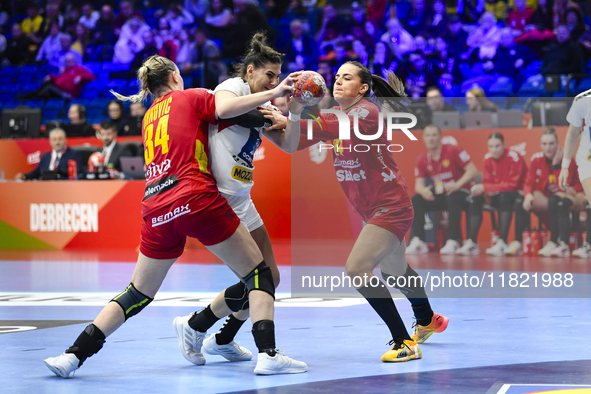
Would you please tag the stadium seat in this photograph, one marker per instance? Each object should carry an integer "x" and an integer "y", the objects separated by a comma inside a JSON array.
[
  {"x": 23, "y": 79},
  {"x": 11, "y": 104},
  {"x": 482, "y": 81},
  {"x": 477, "y": 69},
  {"x": 55, "y": 104},
  {"x": 6, "y": 79},
  {"x": 532, "y": 87},
  {"x": 532, "y": 69},
  {"x": 502, "y": 87},
  {"x": 465, "y": 69},
  {"x": 9, "y": 88},
  {"x": 584, "y": 85},
  {"x": 9, "y": 70},
  {"x": 110, "y": 66},
  {"x": 28, "y": 69},
  {"x": 5, "y": 97},
  {"x": 34, "y": 103},
  {"x": 30, "y": 87},
  {"x": 116, "y": 84},
  {"x": 47, "y": 69},
  {"x": 95, "y": 112},
  {"x": 94, "y": 67}
]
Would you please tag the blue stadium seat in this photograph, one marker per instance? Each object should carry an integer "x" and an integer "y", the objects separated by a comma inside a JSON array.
[
  {"x": 6, "y": 79},
  {"x": 28, "y": 69},
  {"x": 94, "y": 67},
  {"x": 9, "y": 70},
  {"x": 110, "y": 66},
  {"x": 55, "y": 104},
  {"x": 585, "y": 84},
  {"x": 90, "y": 93},
  {"x": 101, "y": 103},
  {"x": 482, "y": 81},
  {"x": 502, "y": 87},
  {"x": 34, "y": 103},
  {"x": 532, "y": 87},
  {"x": 116, "y": 84},
  {"x": 23, "y": 79},
  {"x": 477, "y": 69},
  {"x": 11, "y": 104},
  {"x": 30, "y": 87},
  {"x": 5, "y": 97},
  {"x": 96, "y": 112},
  {"x": 9, "y": 88},
  {"x": 465, "y": 69},
  {"x": 532, "y": 69},
  {"x": 50, "y": 114},
  {"x": 47, "y": 69}
]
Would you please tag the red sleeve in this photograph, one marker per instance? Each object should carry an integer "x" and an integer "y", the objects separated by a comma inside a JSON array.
[
  {"x": 420, "y": 168},
  {"x": 487, "y": 180},
  {"x": 511, "y": 182},
  {"x": 530, "y": 178},
  {"x": 86, "y": 75},
  {"x": 203, "y": 101}
]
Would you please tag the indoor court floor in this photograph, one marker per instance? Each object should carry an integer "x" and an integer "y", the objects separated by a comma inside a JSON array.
[{"x": 508, "y": 344}]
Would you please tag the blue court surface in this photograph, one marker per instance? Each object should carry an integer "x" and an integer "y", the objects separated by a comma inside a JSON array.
[{"x": 492, "y": 345}]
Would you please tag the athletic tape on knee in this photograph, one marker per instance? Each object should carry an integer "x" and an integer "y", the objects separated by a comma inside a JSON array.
[
  {"x": 261, "y": 278},
  {"x": 236, "y": 297},
  {"x": 132, "y": 301}
]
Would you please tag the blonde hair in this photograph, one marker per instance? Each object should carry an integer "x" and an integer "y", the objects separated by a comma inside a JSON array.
[
  {"x": 481, "y": 97},
  {"x": 550, "y": 131},
  {"x": 152, "y": 76}
]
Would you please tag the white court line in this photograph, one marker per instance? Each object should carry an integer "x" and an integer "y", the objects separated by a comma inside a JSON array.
[{"x": 17, "y": 298}]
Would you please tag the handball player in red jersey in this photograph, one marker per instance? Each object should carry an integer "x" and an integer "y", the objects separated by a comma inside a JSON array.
[
  {"x": 379, "y": 194},
  {"x": 181, "y": 199}
]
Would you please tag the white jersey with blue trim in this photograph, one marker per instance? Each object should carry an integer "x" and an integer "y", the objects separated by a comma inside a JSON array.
[
  {"x": 579, "y": 115},
  {"x": 232, "y": 149}
]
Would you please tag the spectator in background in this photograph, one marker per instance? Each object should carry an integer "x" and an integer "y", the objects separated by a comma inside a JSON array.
[
  {"x": 137, "y": 109},
  {"x": 436, "y": 25},
  {"x": 89, "y": 16},
  {"x": 361, "y": 50},
  {"x": 540, "y": 24},
  {"x": 116, "y": 114},
  {"x": 575, "y": 23},
  {"x": 104, "y": 28},
  {"x": 178, "y": 17},
  {"x": 112, "y": 151},
  {"x": 560, "y": 9},
  {"x": 78, "y": 126},
  {"x": 300, "y": 45},
  {"x": 71, "y": 20},
  {"x": 82, "y": 42},
  {"x": 332, "y": 25},
  {"x": 542, "y": 16},
  {"x": 32, "y": 23},
  {"x": 58, "y": 60},
  {"x": 415, "y": 76},
  {"x": 148, "y": 50},
  {"x": 56, "y": 160},
  {"x": 418, "y": 18},
  {"x": 205, "y": 60},
  {"x": 496, "y": 7},
  {"x": 219, "y": 19},
  {"x": 358, "y": 33},
  {"x": 184, "y": 47},
  {"x": 130, "y": 40},
  {"x": 511, "y": 58},
  {"x": 197, "y": 8},
  {"x": 435, "y": 101},
  {"x": 51, "y": 15},
  {"x": 67, "y": 85},
  {"x": 520, "y": 16},
  {"x": 485, "y": 40},
  {"x": 3, "y": 46},
  {"x": 344, "y": 53},
  {"x": 51, "y": 45},
  {"x": 325, "y": 69},
  {"x": 444, "y": 64},
  {"x": 127, "y": 13},
  {"x": 399, "y": 41},
  {"x": 169, "y": 47},
  {"x": 585, "y": 44},
  {"x": 4, "y": 17},
  {"x": 456, "y": 37},
  {"x": 383, "y": 60},
  {"x": 422, "y": 45},
  {"x": 18, "y": 48},
  {"x": 249, "y": 19},
  {"x": 566, "y": 57},
  {"x": 477, "y": 101}
]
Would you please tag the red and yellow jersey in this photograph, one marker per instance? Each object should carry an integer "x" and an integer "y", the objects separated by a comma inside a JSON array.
[
  {"x": 176, "y": 150},
  {"x": 445, "y": 171},
  {"x": 543, "y": 176},
  {"x": 504, "y": 175}
]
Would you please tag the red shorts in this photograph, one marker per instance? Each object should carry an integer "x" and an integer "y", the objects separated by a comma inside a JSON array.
[
  {"x": 206, "y": 216},
  {"x": 393, "y": 219}
]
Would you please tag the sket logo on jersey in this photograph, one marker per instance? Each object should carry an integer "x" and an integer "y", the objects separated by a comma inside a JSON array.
[
  {"x": 155, "y": 171},
  {"x": 350, "y": 176},
  {"x": 242, "y": 174}
]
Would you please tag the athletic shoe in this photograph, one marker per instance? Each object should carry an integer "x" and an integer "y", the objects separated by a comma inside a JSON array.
[
  {"x": 62, "y": 365},
  {"x": 583, "y": 252},
  {"x": 232, "y": 351},
  {"x": 416, "y": 246},
  {"x": 497, "y": 249},
  {"x": 450, "y": 247},
  {"x": 402, "y": 351},
  {"x": 514, "y": 249},
  {"x": 562, "y": 250},
  {"x": 190, "y": 340},
  {"x": 438, "y": 324},
  {"x": 545, "y": 251},
  {"x": 469, "y": 248},
  {"x": 267, "y": 365}
]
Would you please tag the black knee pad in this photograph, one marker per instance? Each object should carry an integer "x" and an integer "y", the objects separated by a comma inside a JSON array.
[
  {"x": 506, "y": 201},
  {"x": 236, "y": 297},
  {"x": 260, "y": 278},
  {"x": 132, "y": 301},
  {"x": 518, "y": 206},
  {"x": 553, "y": 201},
  {"x": 564, "y": 205}
]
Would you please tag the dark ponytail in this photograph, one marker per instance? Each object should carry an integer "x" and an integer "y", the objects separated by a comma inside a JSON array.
[{"x": 257, "y": 54}]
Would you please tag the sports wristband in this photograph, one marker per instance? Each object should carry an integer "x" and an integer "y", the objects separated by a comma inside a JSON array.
[
  {"x": 294, "y": 117},
  {"x": 566, "y": 163}
]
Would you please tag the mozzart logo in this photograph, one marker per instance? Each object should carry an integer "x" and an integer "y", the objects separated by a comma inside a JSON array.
[
  {"x": 64, "y": 217},
  {"x": 344, "y": 121}
]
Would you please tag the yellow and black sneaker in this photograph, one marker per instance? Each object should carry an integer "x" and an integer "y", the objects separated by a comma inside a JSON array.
[{"x": 403, "y": 350}]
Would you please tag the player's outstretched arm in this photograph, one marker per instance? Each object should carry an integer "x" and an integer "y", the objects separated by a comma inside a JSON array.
[{"x": 572, "y": 137}]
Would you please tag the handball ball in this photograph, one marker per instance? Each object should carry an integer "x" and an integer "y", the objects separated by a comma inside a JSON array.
[
  {"x": 310, "y": 88},
  {"x": 96, "y": 160}
]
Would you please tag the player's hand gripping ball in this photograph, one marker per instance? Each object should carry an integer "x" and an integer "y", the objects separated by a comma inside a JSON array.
[{"x": 310, "y": 88}]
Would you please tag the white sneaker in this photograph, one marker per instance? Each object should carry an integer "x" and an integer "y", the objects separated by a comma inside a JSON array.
[
  {"x": 232, "y": 351},
  {"x": 267, "y": 365},
  {"x": 497, "y": 249},
  {"x": 583, "y": 252},
  {"x": 469, "y": 248},
  {"x": 450, "y": 247},
  {"x": 416, "y": 246},
  {"x": 514, "y": 249},
  {"x": 545, "y": 251},
  {"x": 562, "y": 250},
  {"x": 190, "y": 340},
  {"x": 62, "y": 365}
]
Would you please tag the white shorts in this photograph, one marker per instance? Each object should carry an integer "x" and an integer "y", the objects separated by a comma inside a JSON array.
[
  {"x": 245, "y": 210},
  {"x": 584, "y": 167}
]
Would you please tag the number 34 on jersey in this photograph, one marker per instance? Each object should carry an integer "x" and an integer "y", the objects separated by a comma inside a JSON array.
[{"x": 157, "y": 116}]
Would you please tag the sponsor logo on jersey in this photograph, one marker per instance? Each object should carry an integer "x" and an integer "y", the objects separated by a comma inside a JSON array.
[
  {"x": 64, "y": 217},
  {"x": 161, "y": 186},
  {"x": 242, "y": 174},
  {"x": 445, "y": 163},
  {"x": 353, "y": 163},
  {"x": 350, "y": 176},
  {"x": 155, "y": 171},
  {"x": 178, "y": 211}
]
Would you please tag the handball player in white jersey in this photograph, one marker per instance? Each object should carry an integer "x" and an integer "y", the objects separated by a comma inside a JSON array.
[{"x": 579, "y": 119}]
